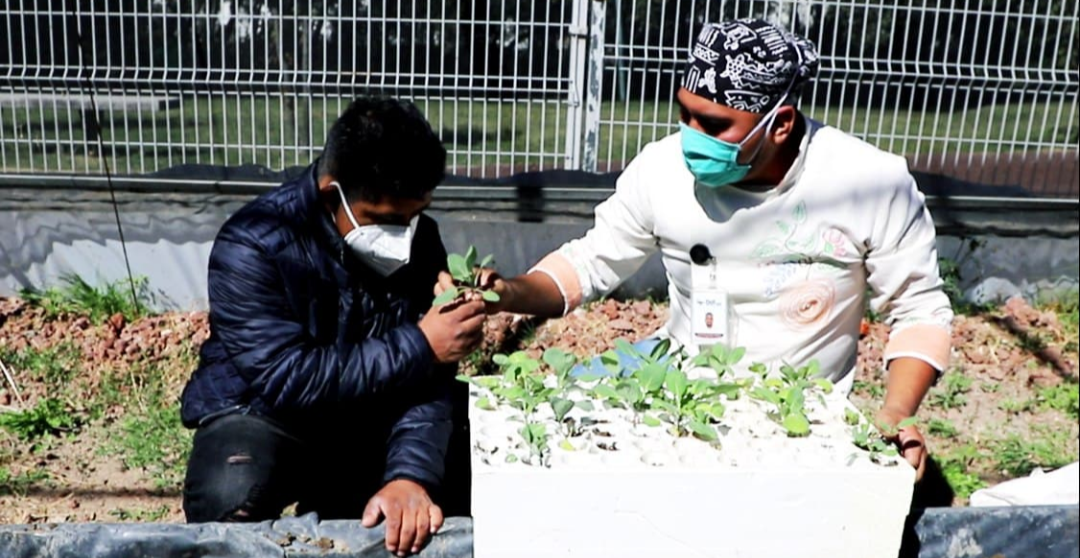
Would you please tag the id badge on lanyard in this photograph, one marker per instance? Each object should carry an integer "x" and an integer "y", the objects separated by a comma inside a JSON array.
[{"x": 710, "y": 311}]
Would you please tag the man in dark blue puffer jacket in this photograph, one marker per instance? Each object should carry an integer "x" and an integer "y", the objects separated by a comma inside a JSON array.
[{"x": 327, "y": 378}]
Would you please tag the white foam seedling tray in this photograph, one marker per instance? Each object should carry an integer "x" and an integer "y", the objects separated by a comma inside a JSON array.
[{"x": 636, "y": 491}]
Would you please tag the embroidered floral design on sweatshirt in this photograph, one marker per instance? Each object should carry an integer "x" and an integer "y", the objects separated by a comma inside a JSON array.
[
  {"x": 807, "y": 303},
  {"x": 787, "y": 242},
  {"x": 834, "y": 242},
  {"x": 794, "y": 250}
]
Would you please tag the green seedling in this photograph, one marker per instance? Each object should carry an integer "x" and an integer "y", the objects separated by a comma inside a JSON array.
[
  {"x": 788, "y": 394},
  {"x": 690, "y": 405},
  {"x": 561, "y": 363},
  {"x": 517, "y": 386},
  {"x": 722, "y": 360},
  {"x": 536, "y": 438},
  {"x": 874, "y": 440},
  {"x": 636, "y": 390},
  {"x": 660, "y": 355},
  {"x": 625, "y": 393},
  {"x": 466, "y": 274},
  {"x": 522, "y": 387}
]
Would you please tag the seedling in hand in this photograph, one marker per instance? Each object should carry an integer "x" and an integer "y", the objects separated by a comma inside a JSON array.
[{"x": 467, "y": 275}]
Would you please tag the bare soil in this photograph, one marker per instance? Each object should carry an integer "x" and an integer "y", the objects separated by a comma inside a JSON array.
[{"x": 1009, "y": 355}]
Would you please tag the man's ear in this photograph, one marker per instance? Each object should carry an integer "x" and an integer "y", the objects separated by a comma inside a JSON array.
[
  {"x": 324, "y": 185},
  {"x": 784, "y": 123}
]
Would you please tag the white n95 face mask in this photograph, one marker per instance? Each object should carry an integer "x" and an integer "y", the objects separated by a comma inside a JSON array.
[{"x": 385, "y": 248}]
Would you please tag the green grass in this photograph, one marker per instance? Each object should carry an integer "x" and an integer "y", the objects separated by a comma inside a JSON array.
[
  {"x": 526, "y": 134},
  {"x": 1016, "y": 406},
  {"x": 941, "y": 427},
  {"x": 1067, "y": 308},
  {"x": 1017, "y": 456},
  {"x": 141, "y": 515},
  {"x": 19, "y": 484},
  {"x": 955, "y": 467},
  {"x": 950, "y": 394},
  {"x": 875, "y": 391},
  {"x": 55, "y": 367},
  {"x": 98, "y": 303},
  {"x": 50, "y": 417},
  {"x": 150, "y": 436},
  {"x": 1064, "y": 397}
]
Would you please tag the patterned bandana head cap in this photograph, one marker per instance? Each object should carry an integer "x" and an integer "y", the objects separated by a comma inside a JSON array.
[{"x": 748, "y": 64}]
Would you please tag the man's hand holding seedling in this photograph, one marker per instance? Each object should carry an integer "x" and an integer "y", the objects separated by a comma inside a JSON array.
[
  {"x": 454, "y": 331},
  {"x": 909, "y": 380},
  {"x": 529, "y": 293},
  {"x": 469, "y": 280}
]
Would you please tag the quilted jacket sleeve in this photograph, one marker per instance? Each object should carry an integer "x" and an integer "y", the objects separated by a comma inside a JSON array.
[
  {"x": 284, "y": 367},
  {"x": 420, "y": 437},
  {"x": 416, "y": 448}
]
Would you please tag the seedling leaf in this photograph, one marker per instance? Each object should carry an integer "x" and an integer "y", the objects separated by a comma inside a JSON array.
[
  {"x": 650, "y": 420},
  {"x": 625, "y": 347},
  {"x": 470, "y": 259},
  {"x": 851, "y": 417},
  {"x": 490, "y": 296},
  {"x": 560, "y": 407},
  {"x": 459, "y": 268},
  {"x": 605, "y": 391},
  {"x": 660, "y": 350},
  {"x": 676, "y": 384},
  {"x": 796, "y": 425},
  {"x": 610, "y": 360},
  {"x": 824, "y": 384},
  {"x": 652, "y": 377},
  {"x": 445, "y": 296},
  {"x": 702, "y": 430}
]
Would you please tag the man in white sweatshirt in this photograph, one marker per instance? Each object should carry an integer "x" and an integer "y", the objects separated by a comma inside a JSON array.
[{"x": 782, "y": 228}]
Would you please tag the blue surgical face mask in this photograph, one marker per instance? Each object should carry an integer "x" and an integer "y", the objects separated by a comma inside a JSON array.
[{"x": 715, "y": 162}]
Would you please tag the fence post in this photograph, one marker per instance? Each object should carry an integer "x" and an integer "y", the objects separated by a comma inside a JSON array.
[
  {"x": 594, "y": 85},
  {"x": 579, "y": 37}
]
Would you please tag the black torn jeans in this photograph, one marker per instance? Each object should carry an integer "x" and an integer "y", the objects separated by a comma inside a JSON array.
[{"x": 248, "y": 468}]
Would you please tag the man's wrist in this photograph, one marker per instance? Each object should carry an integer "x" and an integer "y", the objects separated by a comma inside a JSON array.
[
  {"x": 409, "y": 482},
  {"x": 901, "y": 410}
]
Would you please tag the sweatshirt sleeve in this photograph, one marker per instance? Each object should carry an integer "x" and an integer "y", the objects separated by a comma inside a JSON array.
[
  {"x": 621, "y": 240},
  {"x": 904, "y": 279}
]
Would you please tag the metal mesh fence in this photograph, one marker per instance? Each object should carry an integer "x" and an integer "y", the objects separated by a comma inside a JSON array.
[
  {"x": 258, "y": 82},
  {"x": 978, "y": 90}
]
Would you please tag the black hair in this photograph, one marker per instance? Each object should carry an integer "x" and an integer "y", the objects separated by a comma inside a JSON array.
[{"x": 381, "y": 147}]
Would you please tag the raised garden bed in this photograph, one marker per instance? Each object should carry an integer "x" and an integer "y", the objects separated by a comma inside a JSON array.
[
  {"x": 116, "y": 453},
  {"x": 657, "y": 455}
]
